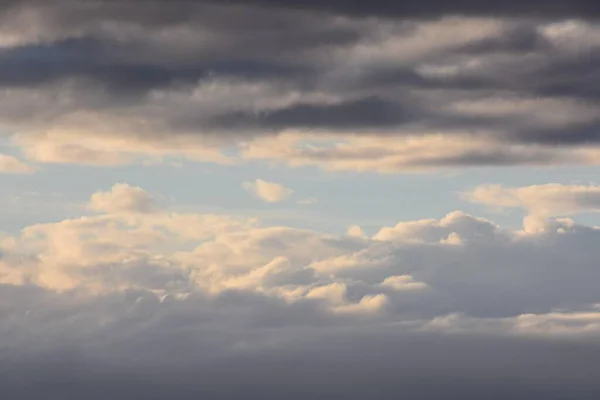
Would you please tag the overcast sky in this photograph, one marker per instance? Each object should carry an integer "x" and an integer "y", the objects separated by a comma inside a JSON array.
[{"x": 290, "y": 199}]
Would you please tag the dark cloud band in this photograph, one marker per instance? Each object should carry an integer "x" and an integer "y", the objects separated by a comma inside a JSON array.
[{"x": 350, "y": 73}]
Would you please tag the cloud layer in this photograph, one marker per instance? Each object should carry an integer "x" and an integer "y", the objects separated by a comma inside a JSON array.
[
  {"x": 339, "y": 85},
  {"x": 134, "y": 300},
  {"x": 139, "y": 293},
  {"x": 542, "y": 200}
]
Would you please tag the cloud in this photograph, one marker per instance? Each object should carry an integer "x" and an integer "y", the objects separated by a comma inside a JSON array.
[
  {"x": 543, "y": 200},
  {"x": 404, "y": 282},
  {"x": 308, "y": 201},
  {"x": 161, "y": 294},
  {"x": 386, "y": 91},
  {"x": 454, "y": 226},
  {"x": 137, "y": 301},
  {"x": 123, "y": 247},
  {"x": 353, "y": 114},
  {"x": 123, "y": 198},
  {"x": 267, "y": 191},
  {"x": 178, "y": 254},
  {"x": 356, "y": 230},
  {"x": 410, "y": 154},
  {"x": 436, "y": 8},
  {"x": 11, "y": 165}
]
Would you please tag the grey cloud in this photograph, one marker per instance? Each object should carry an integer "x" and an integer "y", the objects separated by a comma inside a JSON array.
[
  {"x": 350, "y": 74},
  {"x": 154, "y": 355},
  {"x": 521, "y": 38},
  {"x": 107, "y": 64},
  {"x": 330, "y": 374},
  {"x": 156, "y": 11},
  {"x": 436, "y": 8},
  {"x": 492, "y": 158},
  {"x": 370, "y": 112},
  {"x": 579, "y": 134},
  {"x": 575, "y": 77}
]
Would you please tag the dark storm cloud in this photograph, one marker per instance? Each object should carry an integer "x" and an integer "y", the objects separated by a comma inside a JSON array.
[
  {"x": 350, "y": 70},
  {"x": 436, "y": 8},
  {"x": 84, "y": 58},
  {"x": 107, "y": 64},
  {"x": 575, "y": 135},
  {"x": 380, "y": 8},
  {"x": 349, "y": 116},
  {"x": 370, "y": 112},
  {"x": 229, "y": 27},
  {"x": 522, "y": 38},
  {"x": 577, "y": 77}
]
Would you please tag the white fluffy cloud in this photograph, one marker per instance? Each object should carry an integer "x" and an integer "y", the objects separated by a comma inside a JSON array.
[
  {"x": 149, "y": 290},
  {"x": 123, "y": 198},
  {"x": 270, "y": 192},
  {"x": 441, "y": 265}
]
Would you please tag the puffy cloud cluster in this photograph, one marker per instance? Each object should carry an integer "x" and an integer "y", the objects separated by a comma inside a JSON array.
[
  {"x": 217, "y": 253},
  {"x": 377, "y": 86},
  {"x": 428, "y": 267},
  {"x": 160, "y": 294}
]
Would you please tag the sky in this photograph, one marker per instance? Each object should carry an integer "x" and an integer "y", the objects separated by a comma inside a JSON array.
[{"x": 328, "y": 199}]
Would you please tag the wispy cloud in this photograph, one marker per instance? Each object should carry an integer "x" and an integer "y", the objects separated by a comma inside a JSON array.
[
  {"x": 269, "y": 192},
  {"x": 545, "y": 200},
  {"x": 12, "y": 165}
]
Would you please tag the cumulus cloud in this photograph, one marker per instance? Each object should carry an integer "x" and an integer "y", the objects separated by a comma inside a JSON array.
[
  {"x": 356, "y": 230},
  {"x": 12, "y": 165},
  {"x": 148, "y": 293},
  {"x": 448, "y": 228},
  {"x": 123, "y": 198},
  {"x": 270, "y": 192},
  {"x": 541, "y": 200},
  {"x": 174, "y": 253}
]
